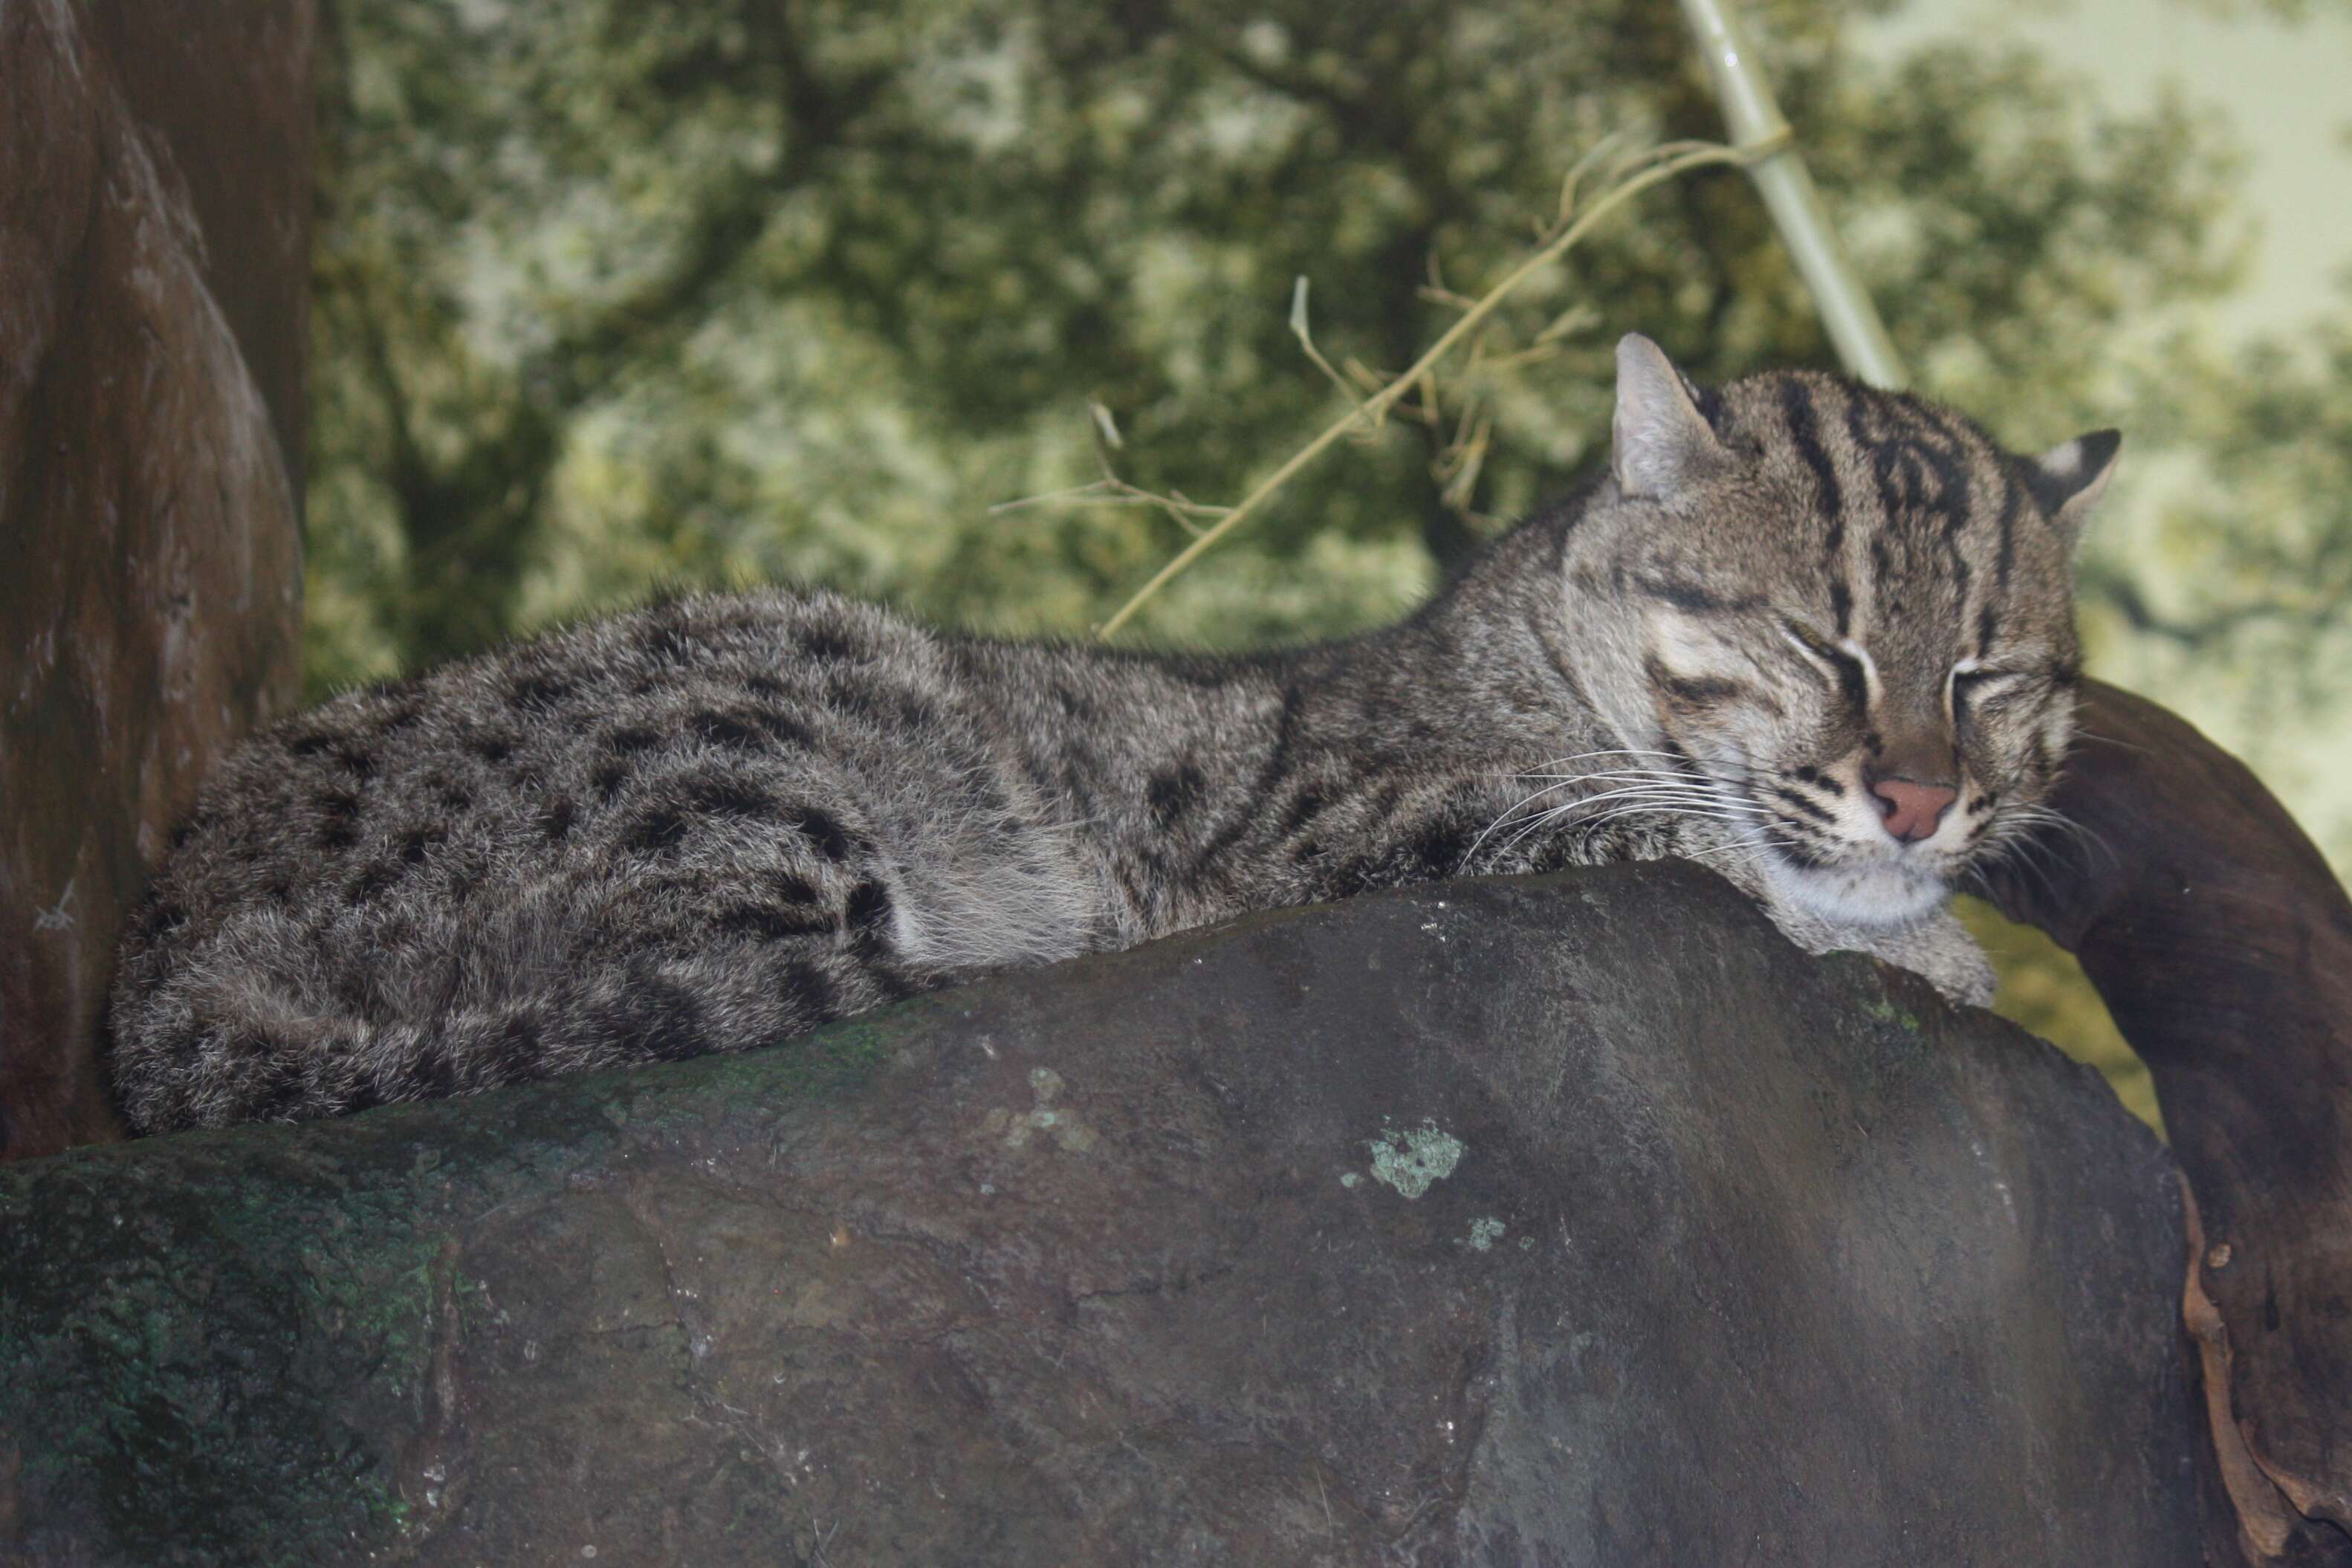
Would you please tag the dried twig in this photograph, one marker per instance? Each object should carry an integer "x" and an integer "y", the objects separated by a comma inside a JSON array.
[{"x": 1653, "y": 167}]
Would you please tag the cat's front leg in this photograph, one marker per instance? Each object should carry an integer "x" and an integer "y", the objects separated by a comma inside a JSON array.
[{"x": 1936, "y": 946}]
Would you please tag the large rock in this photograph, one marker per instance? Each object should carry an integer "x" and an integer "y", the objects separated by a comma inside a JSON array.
[
  {"x": 1569, "y": 1221},
  {"x": 154, "y": 258}
]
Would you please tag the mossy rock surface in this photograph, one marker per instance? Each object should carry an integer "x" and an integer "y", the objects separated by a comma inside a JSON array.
[{"x": 1577, "y": 1220}]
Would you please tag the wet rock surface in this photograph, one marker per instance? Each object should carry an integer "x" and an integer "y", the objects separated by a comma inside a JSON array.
[{"x": 1575, "y": 1220}]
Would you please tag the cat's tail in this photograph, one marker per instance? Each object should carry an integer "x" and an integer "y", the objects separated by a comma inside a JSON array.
[{"x": 209, "y": 1046}]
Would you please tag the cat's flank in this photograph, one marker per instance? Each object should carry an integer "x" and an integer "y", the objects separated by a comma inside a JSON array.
[{"x": 1817, "y": 637}]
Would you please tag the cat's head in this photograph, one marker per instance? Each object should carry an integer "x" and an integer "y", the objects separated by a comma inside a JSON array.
[{"x": 1845, "y": 614}]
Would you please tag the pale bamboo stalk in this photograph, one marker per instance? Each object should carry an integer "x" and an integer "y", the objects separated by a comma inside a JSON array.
[{"x": 1759, "y": 129}]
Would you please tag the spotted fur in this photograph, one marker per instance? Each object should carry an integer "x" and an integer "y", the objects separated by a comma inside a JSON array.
[{"x": 717, "y": 822}]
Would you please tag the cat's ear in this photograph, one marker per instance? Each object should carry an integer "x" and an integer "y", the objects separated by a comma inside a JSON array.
[
  {"x": 2068, "y": 479},
  {"x": 1659, "y": 441}
]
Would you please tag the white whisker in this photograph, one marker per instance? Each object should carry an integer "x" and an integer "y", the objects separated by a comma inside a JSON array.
[
  {"x": 1653, "y": 795},
  {"x": 1606, "y": 752}
]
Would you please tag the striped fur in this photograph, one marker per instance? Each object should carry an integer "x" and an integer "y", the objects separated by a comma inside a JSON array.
[{"x": 717, "y": 822}]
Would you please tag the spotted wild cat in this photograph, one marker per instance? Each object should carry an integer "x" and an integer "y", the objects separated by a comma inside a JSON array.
[{"x": 1815, "y": 635}]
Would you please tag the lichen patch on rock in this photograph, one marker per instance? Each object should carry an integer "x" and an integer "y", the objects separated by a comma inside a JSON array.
[
  {"x": 1016, "y": 1128},
  {"x": 1415, "y": 1159}
]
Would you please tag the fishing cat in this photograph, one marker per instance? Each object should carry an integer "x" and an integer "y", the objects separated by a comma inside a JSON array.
[{"x": 1816, "y": 636}]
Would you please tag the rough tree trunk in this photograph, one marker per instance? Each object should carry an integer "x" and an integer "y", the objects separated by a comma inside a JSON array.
[{"x": 155, "y": 259}]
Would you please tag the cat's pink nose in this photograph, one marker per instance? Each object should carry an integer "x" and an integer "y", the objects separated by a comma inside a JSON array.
[{"x": 1911, "y": 810}]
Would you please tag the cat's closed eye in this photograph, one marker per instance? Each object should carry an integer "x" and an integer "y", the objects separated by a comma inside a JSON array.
[
  {"x": 1977, "y": 686},
  {"x": 1838, "y": 659}
]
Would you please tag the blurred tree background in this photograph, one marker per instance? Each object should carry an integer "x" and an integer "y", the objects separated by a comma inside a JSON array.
[{"x": 716, "y": 291}]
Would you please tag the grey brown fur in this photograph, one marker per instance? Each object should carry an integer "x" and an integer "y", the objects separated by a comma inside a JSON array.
[{"x": 717, "y": 822}]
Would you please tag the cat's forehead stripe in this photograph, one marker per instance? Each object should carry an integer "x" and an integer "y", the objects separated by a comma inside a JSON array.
[
  {"x": 1910, "y": 483},
  {"x": 2012, "y": 497},
  {"x": 1804, "y": 438},
  {"x": 1915, "y": 505},
  {"x": 1797, "y": 410}
]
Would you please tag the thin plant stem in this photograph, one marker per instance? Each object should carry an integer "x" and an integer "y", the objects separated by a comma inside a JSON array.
[{"x": 1662, "y": 164}]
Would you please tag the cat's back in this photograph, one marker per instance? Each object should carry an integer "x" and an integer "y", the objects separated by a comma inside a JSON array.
[
  {"x": 720, "y": 819},
  {"x": 589, "y": 741}
]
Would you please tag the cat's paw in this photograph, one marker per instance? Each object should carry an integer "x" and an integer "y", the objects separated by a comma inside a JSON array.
[
  {"x": 1965, "y": 975},
  {"x": 1936, "y": 948},
  {"x": 1940, "y": 949}
]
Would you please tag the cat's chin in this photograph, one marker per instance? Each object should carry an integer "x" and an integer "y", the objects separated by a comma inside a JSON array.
[{"x": 1877, "y": 894}]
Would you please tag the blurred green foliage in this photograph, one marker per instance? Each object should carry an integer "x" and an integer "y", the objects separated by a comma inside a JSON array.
[{"x": 611, "y": 294}]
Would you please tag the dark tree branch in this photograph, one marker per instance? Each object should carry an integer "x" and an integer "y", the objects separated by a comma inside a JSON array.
[{"x": 2222, "y": 945}]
